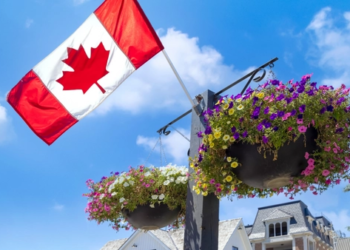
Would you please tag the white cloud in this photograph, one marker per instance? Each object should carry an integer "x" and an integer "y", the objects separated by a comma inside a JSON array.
[
  {"x": 174, "y": 145},
  {"x": 154, "y": 85},
  {"x": 341, "y": 220},
  {"x": 6, "y": 130},
  {"x": 331, "y": 46},
  {"x": 29, "y": 23},
  {"x": 58, "y": 207},
  {"x": 78, "y": 2}
]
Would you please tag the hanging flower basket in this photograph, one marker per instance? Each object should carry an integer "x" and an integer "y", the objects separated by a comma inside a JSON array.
[
  {"x": 279, "y": 138},
  {"x": 146, "y": 198}
]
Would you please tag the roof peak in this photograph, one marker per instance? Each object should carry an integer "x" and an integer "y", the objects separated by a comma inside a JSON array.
[{"x": 282, "y": 204}]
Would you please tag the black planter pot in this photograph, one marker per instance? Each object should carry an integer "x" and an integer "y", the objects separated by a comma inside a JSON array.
[
  {"x": 257, "y": 171},
  {"x": 147, "y": 218}
]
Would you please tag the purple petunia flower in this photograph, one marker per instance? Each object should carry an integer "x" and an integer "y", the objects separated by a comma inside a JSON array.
[
  {"x": 266, "y": 110},
  {"x": 245, "y": 134},
  {"x": 265, "y": 139},
  {"x": 295, "y": 95},
  {"x": 339, "y": 130},
  {"x": 341, "y": 99},
  {"x": 310, "y": 92},
  {"x": 301, "y": 89},
  {"x": 322, "y": 110},
  {"x": 275, "y": 82},
  {"x": 233, "y": 129},
  {"x": 255, "y": 99},
  {"x": 291, "y": 90},
  {"x": 238, "y": 96},
  {"x": 200, "y": 134},
  {"x": 313, "y": 84},
  {"x": 241, "y": 119},
  {"x": 293, "y": 112},
  {"x": 273, "y": 116},
  {"x": 256, "y": 113},
  {"x": 209, "y": 112},
  {"x": 267, "y": 125},
  {"x": 288, "y": 100},
  {"x": 231, "y": 105},
  {"x": 200, "y": 158},
  {"x": 259, "y": 127},
  {"x": 330, "y": 108},
  {"x": 300, "y": 116},
  {"x": 302, "y": 108},
  {"x": 280, "y": 97},
  {"x": 208, "y": 130},
  {"x": 275, "y": 128},
  {"x": 116, "y": 173},
  {"x": 280, "y": 113},
  {"x": 236, "y": 136}
]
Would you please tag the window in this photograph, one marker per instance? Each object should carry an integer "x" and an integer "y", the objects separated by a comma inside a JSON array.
[
  {"x": 278, "y": 229},
  {"x": 234, "y": 248},
  {"x": 284, "y": 228},
  {"x": 271, "y": 230}
]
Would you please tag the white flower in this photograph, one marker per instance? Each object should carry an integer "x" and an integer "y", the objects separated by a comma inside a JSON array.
[
  {"x": 114, "y": 193},
  {"x": 126, "y": 184},
  {"x": 128, "y": 177},
  {"x": 151, "y": 205},
  {"x": 166, "y": 182},
  {"x": 177, "y": 181},
  {"x": 102, "y": 196},
  {"x": 101, "y": 188},
  {"x": 171, "y": 179},
  {"x": 121, "y": 199},
  {"x": 154, "y": 197},
  {"x": 121, "y": 180},
  {"x": 161, "y": 197},
  {"x": 131, "y": 182},
  {"x": 147, "y": 174}
]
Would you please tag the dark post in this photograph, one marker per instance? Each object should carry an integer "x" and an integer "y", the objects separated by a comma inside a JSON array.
[{"x": 202, "y": 212}]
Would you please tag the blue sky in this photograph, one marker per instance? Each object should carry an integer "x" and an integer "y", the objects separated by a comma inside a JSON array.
[{"x": 211, "y": 43}]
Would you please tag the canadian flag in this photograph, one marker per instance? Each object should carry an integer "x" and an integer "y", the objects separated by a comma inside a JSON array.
[{"x": 77, "y": 76}]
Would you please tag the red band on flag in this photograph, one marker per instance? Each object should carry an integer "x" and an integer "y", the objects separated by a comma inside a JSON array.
[
  {"x": 130, "y": 28},
  {"x": 40, "y": 109}
]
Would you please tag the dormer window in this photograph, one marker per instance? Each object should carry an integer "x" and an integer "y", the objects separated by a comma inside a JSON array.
[{"x": 278, "y": 229}]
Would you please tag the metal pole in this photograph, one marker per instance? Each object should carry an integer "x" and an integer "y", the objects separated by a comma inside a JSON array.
[
  {"x": 180, "y": 81},
  {"x": 202, "y": 212}
]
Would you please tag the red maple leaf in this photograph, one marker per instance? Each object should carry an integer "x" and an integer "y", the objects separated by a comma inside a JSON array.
[{"x": 87, "y": 71}]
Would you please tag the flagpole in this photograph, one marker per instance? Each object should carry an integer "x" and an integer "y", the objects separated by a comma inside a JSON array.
[{"x": 194, "y": 106}]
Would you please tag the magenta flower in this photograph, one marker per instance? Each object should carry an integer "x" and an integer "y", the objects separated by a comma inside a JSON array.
[
  {"x": 218, "y": 190},
  {"x": 335, "y": 150},
  {"x": 300, "y": 121},
  {"x": 217, "y": 185},
  {"x": 302, "y": 129},
  {"x": 328, "y": 181},
  {"x": 311, "y": 161},
  {"x": 337, "y": 181},
  {"x": 325, "y": 172},
  {"x": 315, "y": 193},
  {"x": 327, "y": 149},
  {"x": 306, "y": 155},
  {"x": 212, "y": 181},
  {"x": 147, "y": 185}
]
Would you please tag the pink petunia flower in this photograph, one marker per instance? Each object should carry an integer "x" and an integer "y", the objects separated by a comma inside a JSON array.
[
  {"x": 315, "y": 193},
  {"x": 337, "y": 181},
  {"x": 327, "y": 149},
  {"x": 325, "y": 172},
  {"x": 335, "y": 150},
  {"x": 316, "y": 179},
  {"x": 290, "y": 128},
  {"x": 312, "y": 188},
  {"x": 311, "y": 161},
  {"x": 332, "y": 166},
  {"x": 302, "y": 129},
  {"x": 212, "y": 181},
  {"x": 307, "y": 155},
  {"x": 328, "y": 181},
  {"x": 300, "y": 121}
]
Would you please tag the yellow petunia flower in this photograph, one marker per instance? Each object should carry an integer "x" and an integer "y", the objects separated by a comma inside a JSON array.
[
  {"x": 240, "y": 107},
  {"x": 205, "y": 185},
  {"x": 229, "y": 159},
  {"x": 226, "y": 137},
  {"x": 232, "y": 139},
  {"x": 239, "y": 100},
  {"x": 234, "y": 164},
  {"x": 228, "y": 178},
  {"x": 211, "y": 145},
  {"x": 233, "y": 187},
  {"x": 205, "y": 193},
  {"x": 205, "y": 141},
  {"x": 192, "y": 165},
  {"x": 197, "y": 191},
  {"x": 224, "y": 147},
  {"x": 260, "y": 95},
  {"x": 225, "y": 106},
  {"x": 231, "y": 111},
  {"x": 210, "y": 137},
  {"x": 217, "y": 135}
]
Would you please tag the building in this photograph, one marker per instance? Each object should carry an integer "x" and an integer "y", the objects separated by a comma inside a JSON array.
[
  {"x": 232, "y": 236},
  {"x": 291, "y": 226}
]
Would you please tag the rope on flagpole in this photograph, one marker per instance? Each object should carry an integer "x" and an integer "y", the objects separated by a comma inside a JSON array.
[{"x": 194, "y": 106}]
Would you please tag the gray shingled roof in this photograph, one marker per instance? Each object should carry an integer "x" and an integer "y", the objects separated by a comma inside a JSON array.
[
  {"x": 248, "y": 229},
  {"x": 343, "y": 244},
  {"x": 277, "y": 214},
  {"x": 113, "y": 245},
  {"x": 174, "y": 239},
  {"x": 298, "y": 223}
]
